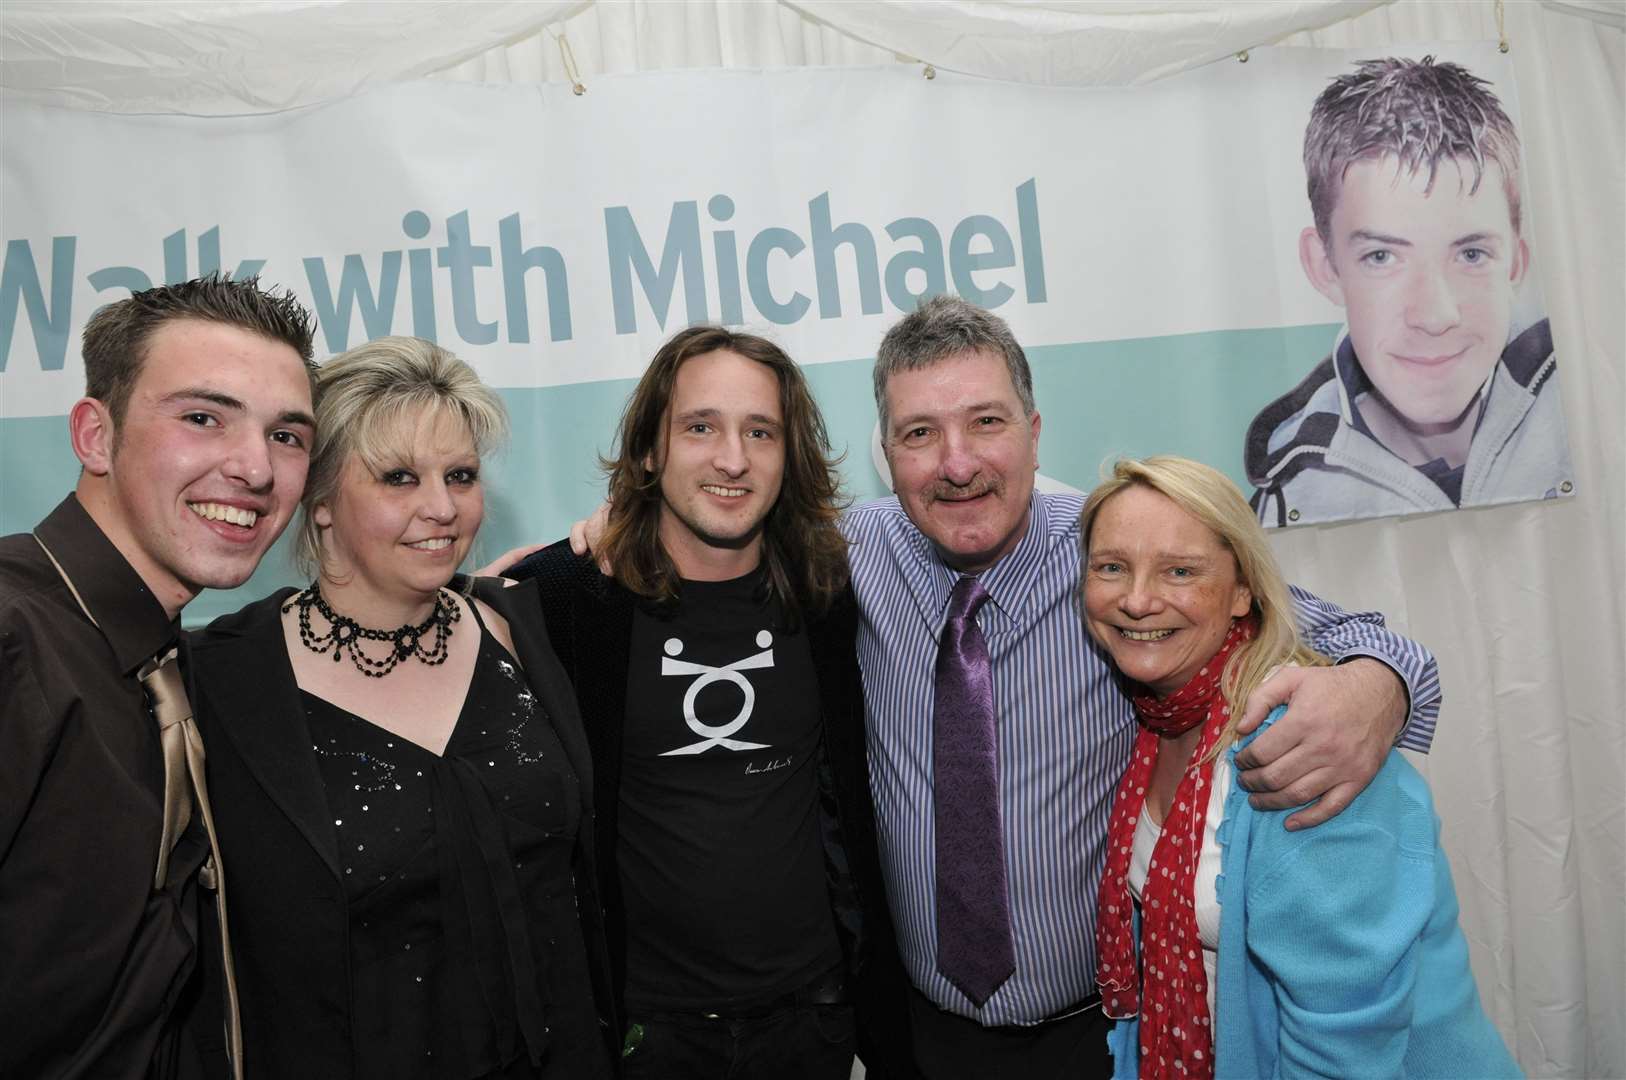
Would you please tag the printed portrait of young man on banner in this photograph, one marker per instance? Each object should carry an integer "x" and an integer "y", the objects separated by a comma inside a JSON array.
[{"x": 1441, "y": 390}]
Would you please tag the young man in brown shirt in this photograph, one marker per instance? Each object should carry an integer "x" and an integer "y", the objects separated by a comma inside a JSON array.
[{"x": 194, "y": 438}]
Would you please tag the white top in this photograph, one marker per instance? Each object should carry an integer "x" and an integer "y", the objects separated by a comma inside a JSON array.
[{"x": 1208, "y": 867}]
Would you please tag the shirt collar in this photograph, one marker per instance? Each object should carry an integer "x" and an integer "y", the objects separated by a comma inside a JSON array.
[
  {"x": 1011, "y": 582},
  {"x": 128, "y": 614}
]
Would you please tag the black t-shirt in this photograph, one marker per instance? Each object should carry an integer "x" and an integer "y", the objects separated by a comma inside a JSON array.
[{"x": 721, "y": 859}]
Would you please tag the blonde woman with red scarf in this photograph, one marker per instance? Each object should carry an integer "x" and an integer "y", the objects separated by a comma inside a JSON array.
[{"x": 1227, "y": 945}]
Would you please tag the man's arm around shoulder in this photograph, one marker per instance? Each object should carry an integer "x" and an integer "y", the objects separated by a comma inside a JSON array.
[{"x": 1342, "y": 720}]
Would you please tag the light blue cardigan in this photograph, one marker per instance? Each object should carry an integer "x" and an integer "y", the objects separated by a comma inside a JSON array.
[{"x": 1340, "y": 953}]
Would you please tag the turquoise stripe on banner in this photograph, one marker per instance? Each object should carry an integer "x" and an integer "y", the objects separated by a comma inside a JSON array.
[{"x": 1098, "y": 400}]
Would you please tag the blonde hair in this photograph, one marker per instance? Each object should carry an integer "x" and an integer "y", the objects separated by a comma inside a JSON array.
[
  {"x": 1209, "y": 496},
  {"x": 363, "y": 399}
]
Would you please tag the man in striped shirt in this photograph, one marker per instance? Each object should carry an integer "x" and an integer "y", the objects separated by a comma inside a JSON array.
[{"x": 961, "y": 436}]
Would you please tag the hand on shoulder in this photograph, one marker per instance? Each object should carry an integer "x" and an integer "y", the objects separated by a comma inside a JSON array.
[{"x": 1338, "y": 729}]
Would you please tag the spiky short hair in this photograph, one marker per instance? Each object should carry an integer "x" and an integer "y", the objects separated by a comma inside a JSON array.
[
  {"x": 117, "y": 335},
  {"x": 1417, "y": 111}
]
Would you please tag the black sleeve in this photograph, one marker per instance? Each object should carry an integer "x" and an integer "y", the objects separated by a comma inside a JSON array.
[{"x": 559, "y": 575}]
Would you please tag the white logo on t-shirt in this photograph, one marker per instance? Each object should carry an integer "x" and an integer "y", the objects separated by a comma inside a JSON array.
[{"x": 718, "y": 735}]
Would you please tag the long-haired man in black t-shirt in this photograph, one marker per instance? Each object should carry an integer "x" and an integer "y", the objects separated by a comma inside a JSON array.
[{"x": 719, "y": 686}]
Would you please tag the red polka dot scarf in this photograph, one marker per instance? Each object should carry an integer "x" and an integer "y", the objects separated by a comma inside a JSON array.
[{"x": 1170, "y": 993}]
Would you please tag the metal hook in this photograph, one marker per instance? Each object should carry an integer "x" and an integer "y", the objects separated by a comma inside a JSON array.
[{"x": 571, "y": 71}]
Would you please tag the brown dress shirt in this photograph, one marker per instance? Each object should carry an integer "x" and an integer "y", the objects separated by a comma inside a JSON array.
[{"x": 93, "y": 962}]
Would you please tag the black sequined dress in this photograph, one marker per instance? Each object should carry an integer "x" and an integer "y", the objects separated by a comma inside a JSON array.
[{"x": 466, "y": 953}]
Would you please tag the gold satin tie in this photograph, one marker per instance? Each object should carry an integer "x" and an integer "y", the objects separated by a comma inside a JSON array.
[
  {"x": 160, "y": 677},
  {"x": 182, "y": 747}
]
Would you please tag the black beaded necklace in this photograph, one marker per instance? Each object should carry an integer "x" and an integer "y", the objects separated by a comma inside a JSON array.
[{"x": 344, "y": 634}]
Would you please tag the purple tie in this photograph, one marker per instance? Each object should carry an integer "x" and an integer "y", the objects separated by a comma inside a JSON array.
[{"x": 974, "y": 949}]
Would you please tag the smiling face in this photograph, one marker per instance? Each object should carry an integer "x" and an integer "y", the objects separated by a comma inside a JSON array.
[
  {"x": 721, "y": 462},
  {"x": 391, "y": 537},
  {"x": 1160, "y": 590},
  {"x": 1426, "y": 279},
  {"x": 209, "y": 462},
  {"x": 962, "y": 453}
]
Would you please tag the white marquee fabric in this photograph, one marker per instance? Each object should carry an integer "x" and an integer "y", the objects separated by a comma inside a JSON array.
[
  {"x": 1524, "y": 605},
  {"x": 209, "y": 58}
]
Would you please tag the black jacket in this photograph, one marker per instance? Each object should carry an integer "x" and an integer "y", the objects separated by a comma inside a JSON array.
[
  {"x": 286, "y": 898},
  {"x": 589, "y": 619}
]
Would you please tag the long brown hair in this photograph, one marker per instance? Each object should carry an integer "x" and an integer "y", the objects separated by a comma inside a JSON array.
[{"x": 803, "y": 551}]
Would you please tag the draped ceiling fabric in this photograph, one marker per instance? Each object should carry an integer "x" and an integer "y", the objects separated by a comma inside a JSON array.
[{"x": 1525, "y": 605}]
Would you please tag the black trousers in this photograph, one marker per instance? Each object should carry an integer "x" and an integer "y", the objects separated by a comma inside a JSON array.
[
  {"x": 800, "y": 1042},
  {"x": 949, "y": 1047}
]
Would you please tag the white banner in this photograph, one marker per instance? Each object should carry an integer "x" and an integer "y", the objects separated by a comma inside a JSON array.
[{"x": 1145, "y": 243}]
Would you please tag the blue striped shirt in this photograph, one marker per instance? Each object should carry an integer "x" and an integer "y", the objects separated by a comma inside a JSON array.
[{"x": 1064, "y": 734}]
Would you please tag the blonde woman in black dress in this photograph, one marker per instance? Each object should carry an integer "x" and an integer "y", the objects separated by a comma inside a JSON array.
[{"x": 398, "y": 768}]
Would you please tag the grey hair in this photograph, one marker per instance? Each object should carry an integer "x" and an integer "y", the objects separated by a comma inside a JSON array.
[
  {"x": 942, "y": 327},
  {"x": 365, "y": 396},
  {"x": 1417, "y": 111}
]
